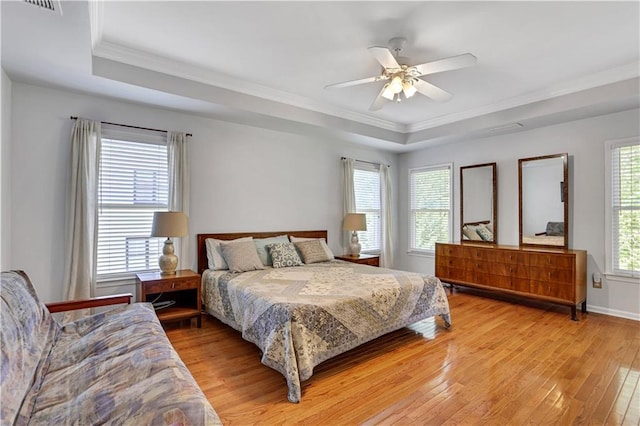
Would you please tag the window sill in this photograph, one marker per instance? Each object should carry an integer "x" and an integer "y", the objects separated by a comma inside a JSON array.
[
  {"x": 627, "y": 279},
  {"x": 430, "y": 254}
]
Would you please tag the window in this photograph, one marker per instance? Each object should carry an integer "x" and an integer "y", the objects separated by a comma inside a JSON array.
[
  {"x": 623, "y": 215},
  {"x": 366, "y": 182},
  {"x": 133, "y": 183},
  {"x": 430, "y": 207}
]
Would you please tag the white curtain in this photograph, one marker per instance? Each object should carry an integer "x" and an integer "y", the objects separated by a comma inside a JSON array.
[
  {"x": 179, "y": 187},
  {"x": 82, "y": 210},
  {"x": 349, "y": 202},
  {"x": 386, "y": 249}
]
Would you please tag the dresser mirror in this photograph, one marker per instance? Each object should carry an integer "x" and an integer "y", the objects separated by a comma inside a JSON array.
[
  {"x": 478, "y": 204},
  {"x": 544, "y": 200}
]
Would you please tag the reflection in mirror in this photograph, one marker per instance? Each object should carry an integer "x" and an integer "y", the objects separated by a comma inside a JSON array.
[
  {"x": 544, "y": 203},
  {"x": 478, "y": 203}
]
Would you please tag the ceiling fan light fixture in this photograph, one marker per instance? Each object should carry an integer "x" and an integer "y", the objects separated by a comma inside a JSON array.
[
  {"x": 408, "y": 89},
  {"x": 387, "y": 93},
  {"x": 396, "y": 84}
]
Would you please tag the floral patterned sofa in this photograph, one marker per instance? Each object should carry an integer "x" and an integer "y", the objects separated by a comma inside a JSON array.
[{"x": 116, "y": 367}]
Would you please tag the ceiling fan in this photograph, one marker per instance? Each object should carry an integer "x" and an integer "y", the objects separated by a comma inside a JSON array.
[{"x": 404, "y": 78}]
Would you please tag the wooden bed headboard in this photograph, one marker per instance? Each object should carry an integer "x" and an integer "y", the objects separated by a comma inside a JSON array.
[{"x": 201, "y": 247}]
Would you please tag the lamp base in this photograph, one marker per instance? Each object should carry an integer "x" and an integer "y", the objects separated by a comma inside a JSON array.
[
  {"x": 168, "y": 261},
  {"x": 354, "y": 247}
]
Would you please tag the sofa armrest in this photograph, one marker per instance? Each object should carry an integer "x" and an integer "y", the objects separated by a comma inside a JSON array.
[{"x": 70, "y": 305}]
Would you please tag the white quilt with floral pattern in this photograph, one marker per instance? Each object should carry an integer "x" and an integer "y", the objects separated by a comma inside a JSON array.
[{"x": 301, "y": 316}]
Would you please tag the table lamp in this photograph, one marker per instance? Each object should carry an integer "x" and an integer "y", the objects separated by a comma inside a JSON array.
[
  {"x": 169, "y": 224},
  {"x": 355, "y": 222}
]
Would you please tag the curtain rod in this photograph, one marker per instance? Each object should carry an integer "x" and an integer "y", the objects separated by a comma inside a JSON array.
[
  {"x": 131, "y": 127},
  {"x": 368, "y": 162}
]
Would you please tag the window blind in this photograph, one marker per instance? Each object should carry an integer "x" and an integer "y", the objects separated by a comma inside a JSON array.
[
  {"x": 133, "y": 184},
  {"x": 430, "y": 207},
  {"x": 366, "y": 181},
  {"x": 625, "y": 208}
]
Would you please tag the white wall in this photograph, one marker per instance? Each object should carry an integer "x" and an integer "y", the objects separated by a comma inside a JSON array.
[
  {"x": 5, "y": 172},
  {"x": 584, "y": 142},
  {"x": 242, "y": 178}
]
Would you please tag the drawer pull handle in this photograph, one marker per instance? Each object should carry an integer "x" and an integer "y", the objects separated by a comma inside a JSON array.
[{"x": 173, "y": 285}]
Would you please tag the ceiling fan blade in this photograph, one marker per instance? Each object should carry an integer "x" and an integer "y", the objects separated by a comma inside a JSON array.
[
  {"x": 431, "y": 91},
  {"x": 447, "y": 64},
  {"x": 384, "y": 56},
  {"x": 354, "y": 82},
  {"x": 378, "y": 103}
]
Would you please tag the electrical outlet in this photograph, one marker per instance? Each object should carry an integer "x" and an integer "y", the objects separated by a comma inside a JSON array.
[{"x": 597, "y": 280}]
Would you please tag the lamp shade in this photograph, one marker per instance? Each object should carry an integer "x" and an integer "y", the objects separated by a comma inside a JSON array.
[
  {"x": 355, "y": 222},
  {"x": 169, "y": 224}
]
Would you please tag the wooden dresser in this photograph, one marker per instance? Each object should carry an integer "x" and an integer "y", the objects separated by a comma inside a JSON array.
[{"x": 552, "y": 275}]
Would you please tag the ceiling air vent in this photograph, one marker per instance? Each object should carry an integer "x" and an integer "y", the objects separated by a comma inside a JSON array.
[{"x": 52, "y": 5}]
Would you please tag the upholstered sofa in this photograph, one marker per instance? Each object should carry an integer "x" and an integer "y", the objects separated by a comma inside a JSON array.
[{"x": 115, "y": 367}]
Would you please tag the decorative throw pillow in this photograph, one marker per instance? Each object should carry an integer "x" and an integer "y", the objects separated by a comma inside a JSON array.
[
  {"x": 484, "y": 233},
  {"x": 284, "y": 255},
  {"x": 241, "y": 256},
  {"x": 312, "y": 251},
  {"x": 214, "y": 252},
  {"x": 261, "y": 244},
  {"x": 322, "y": 241}
]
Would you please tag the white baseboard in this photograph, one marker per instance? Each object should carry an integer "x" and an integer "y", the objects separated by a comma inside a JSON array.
[{"x": 613, "y": 312}]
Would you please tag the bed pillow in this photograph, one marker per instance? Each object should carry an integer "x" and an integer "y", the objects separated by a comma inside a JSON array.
[
  {"x": 555, "y": 229},
  {"x": 484, "y": 233},
  {"x": 214, "y": 253},
  {"x": 312, "y": 251},
  {"x": 263, "y": 253},
  {"x": 284, "y": 255},
  {"x": 322, "y": 241},
  {"x": 241, "y": 256},
  {"x": 470, "y": 232}
]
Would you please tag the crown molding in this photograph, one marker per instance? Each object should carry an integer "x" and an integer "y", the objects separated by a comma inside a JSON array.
[
  {"x": 602, "y": 78},
  {"x": 119, "y": 53},
  {"x": 96, "y": 13}
]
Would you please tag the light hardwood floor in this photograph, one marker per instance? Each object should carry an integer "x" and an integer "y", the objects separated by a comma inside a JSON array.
[{"x": 500, "y": 363}]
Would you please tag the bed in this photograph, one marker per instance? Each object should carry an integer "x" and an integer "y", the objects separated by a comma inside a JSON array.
[
  {"x": 552, "y": 236},
  {"x": 303, "y": 315}
]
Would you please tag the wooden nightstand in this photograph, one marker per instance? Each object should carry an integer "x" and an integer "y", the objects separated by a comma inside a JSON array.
[
  {"x": 364, "y": 259},
  {"x": 183, "y": 288}
]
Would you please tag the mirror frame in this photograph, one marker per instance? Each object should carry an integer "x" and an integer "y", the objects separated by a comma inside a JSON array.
[
  {"x": 564, "y": 194},
  {"x": 494, "y": 203}
]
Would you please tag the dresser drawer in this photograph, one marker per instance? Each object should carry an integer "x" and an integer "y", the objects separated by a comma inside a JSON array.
[
  {"x": 491, "y": 280},
  {"x": 564, "y": 276},
  {"x": 456, "y": 274},
  {"x": 507, "y": 256},
  {"x": 450, "y": 262},
  {"x": 449, "y": 250},
  {"x": 550, "y": 289},
  {"x": 549, "y": 260},
  {"x": 510, "y": 270}
]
